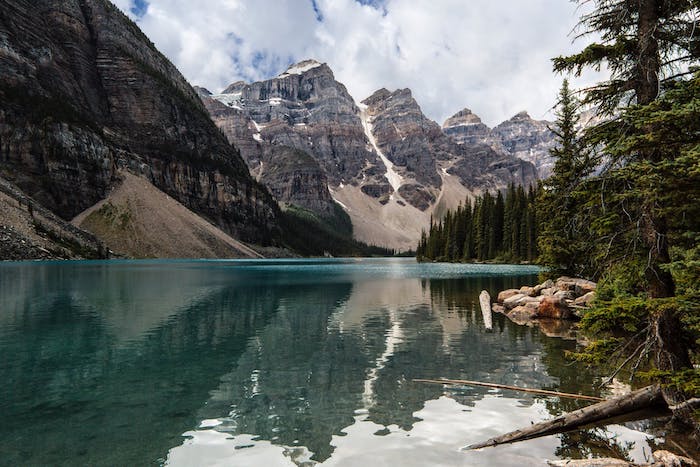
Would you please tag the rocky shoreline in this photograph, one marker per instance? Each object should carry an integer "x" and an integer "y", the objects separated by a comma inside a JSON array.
[{"x": 563, "y": 299}]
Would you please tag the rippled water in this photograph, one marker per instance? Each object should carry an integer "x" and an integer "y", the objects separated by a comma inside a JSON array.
[{"x": 271, "y": 363}]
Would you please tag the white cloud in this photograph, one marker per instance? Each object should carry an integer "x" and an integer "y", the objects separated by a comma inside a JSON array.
[{"x": 492, "y": 56}]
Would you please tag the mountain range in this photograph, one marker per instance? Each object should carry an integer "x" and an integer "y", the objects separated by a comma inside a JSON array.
[
  {"x": 97, "y": 127},
  {"x": 389, "y": 166}
]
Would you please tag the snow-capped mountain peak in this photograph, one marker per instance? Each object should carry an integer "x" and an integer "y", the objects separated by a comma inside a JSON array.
[{"x": 301, "y": 68}]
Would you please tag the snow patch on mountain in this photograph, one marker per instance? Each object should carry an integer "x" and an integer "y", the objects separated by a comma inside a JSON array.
[
  {"x": 230, "y": 100},
  {"x": 300, "y": 68},
  {"x": 395, "y": 180}
]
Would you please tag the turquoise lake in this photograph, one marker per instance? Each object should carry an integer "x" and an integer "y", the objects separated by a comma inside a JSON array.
[{"x": 289, "y": 362}]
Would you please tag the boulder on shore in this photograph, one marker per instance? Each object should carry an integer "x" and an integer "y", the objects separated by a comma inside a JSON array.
[
  {"x": 575, "y": 285},
  {"x": 520, "y": 300},
  {"x": 563, "y": 299},
  {"x": 506, "y": 294},
  {"x": 554, "y": 307},
  {"x": 522, "y": 314},
  {"x": 548, "y": 284}
]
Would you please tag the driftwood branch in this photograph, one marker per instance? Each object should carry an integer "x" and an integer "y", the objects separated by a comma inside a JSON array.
[
  {"x": 646, "y": 398},
  {"x": 543, "y": 392}
]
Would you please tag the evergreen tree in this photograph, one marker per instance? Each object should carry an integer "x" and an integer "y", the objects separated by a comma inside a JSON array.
[
  {"x": 477, "y": 232},
  {"x": 563, "y": 242},
  {"x": 648, "y": 46},
  {"x": 508, "y": 222}
]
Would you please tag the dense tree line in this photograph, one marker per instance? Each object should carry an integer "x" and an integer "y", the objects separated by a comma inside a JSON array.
[{"x": 500, "y": 227}]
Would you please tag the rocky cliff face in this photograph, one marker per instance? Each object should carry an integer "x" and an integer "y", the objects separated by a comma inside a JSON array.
[
  {"x": 529, "y": 140},
  {"x": 423, "y": 154},
  {"x": 84, "y": 93},
  {"x": 305, "y": 108},
  {"x": 521, "y": 136},
  {"x": 466, "y": 127},
  {"x": 384, "y": 161},
  {"x": 291, "y": 175}
]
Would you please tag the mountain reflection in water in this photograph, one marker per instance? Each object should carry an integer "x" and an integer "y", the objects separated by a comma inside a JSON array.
[{"x": 271, "y": 362}]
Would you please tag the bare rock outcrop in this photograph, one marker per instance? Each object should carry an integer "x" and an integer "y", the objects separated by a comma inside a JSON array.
[{"x": 521, "y": 137}]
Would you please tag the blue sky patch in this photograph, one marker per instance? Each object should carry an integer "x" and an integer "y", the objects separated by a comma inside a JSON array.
[
  {"x": 139, "y": 8},
  {"x": 317, "y": 10},
  {"x": 376, "y": 4}
]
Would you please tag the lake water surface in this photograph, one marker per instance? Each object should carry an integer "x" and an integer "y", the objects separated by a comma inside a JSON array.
[{"x": 294, "y": 362}]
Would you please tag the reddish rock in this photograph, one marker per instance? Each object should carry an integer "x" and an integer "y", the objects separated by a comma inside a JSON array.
[
  {"x": 496, "y": 308},
  {"x": 562, "y": 329},
  {"x": 555, "y": 308},
  {"x": 529, "y": 291}
]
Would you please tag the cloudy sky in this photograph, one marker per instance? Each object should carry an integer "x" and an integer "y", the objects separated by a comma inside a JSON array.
[{"x": 492, "y": 56}]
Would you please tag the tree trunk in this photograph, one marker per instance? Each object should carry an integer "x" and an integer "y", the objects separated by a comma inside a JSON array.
[{"x": 669, "y": 353}]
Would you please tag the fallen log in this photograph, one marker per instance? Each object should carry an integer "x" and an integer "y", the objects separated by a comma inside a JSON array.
[
  {"x": 485, "y": 302},
  {"x": 646, "y": 398},
  {"x": 543, "y": 392}
]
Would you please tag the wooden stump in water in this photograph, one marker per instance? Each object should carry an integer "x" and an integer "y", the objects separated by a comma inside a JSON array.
[{"x": 485, "y": 302}]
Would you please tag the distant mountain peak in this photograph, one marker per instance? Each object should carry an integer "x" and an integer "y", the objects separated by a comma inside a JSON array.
[
  {"x": 378, "y": 95},
  {"x": 462, "y": 118},
  {"x": 521, "y": 116},
  {"x": 302, "y": 67}
]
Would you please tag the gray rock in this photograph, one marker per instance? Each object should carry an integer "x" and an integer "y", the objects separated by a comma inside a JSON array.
[
  {"x": 576, "y": 285},
  {"x": 465, "y": 127},
  {"x": 548, "y": 284},
  {"x": 564, "y": 295},
  {"x": 503, "y": 295},
  {"x": 520, "y": 300}
]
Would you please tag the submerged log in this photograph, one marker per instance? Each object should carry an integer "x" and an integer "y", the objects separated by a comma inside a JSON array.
[
  {"x": 542, "y": 392},
  {"x": 485, "y": 302},
  {"x": 646, "y": 398}
]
